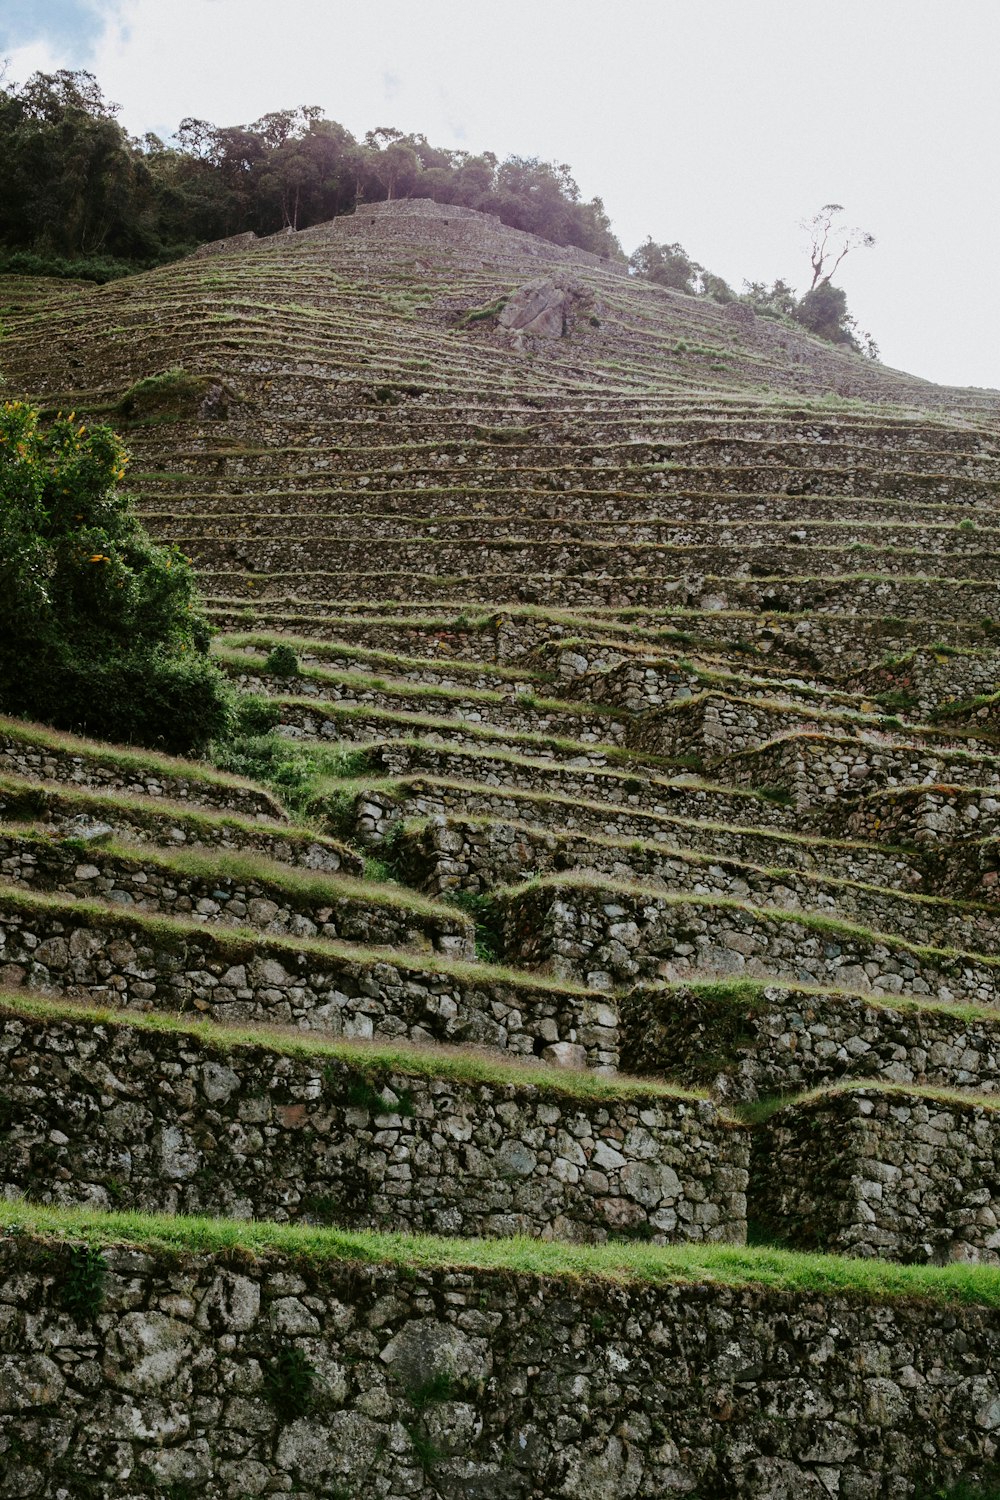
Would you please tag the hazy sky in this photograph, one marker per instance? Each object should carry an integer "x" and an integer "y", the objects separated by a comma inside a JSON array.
[{"x": 718, "y": 123}]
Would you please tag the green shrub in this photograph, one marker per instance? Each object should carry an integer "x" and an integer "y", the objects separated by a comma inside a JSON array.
[
  {"x": 283, "y": 662},
  {"x": 255, "y": 716},
  {"x": 99, "y": 627}
]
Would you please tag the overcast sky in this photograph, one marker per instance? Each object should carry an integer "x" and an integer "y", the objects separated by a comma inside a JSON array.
[{"x": 717, "y": 123}]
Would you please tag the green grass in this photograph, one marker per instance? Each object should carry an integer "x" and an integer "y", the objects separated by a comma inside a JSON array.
[
  {"x": 245, "y": 943},
  {"x": 812, "y": 921},
  {"x": 25, "y": 800},
  {"x": 780, "y": 1271},
  {"x": 753, "y": 994},
  {"x": 40, "y": 737},
  {"x": 762, "y": 1110},
  {"x": 460, "y": 1065},
  {"x": 235, "y": 641},
  {"x": 299, "y": 886}
]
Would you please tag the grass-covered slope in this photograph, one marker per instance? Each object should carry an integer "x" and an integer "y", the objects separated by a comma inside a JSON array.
[{"x": 614, "y": 857}]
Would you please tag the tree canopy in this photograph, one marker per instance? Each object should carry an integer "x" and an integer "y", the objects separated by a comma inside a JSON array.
[
  {"x": 75, "y": 187},
  {"x": 823, "y": 308}
]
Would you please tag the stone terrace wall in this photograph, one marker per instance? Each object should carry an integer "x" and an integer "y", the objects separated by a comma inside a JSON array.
[
  {"x": 176, "y": 827},
  {"x": 578, "y": 1390},
  {"x": 929, "y": 815},
  {"x": 935, "y": 923},
  {"x": 334, "y": 912},
  {"x": 781, "y": 1040},
  {"x": 84, "y": 952},
  {"x": 819, "y": 769},
  {"x": 443, "y": 856},
  {"x": 43, "y": 762},
  {"x": 864, "y": 1172},
  {"x": 613, "y": 936},
  {"x": 165, "y": 1122}
]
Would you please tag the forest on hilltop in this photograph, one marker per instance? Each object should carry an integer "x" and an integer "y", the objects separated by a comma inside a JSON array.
[{"x": 80, "y": 195}]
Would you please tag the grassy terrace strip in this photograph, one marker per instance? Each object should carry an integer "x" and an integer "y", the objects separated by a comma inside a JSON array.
[
  {"x": 814, "y": 921},
  {"x": 623, "y": 623},
  {"x": 373, "y": 1059},
  {"x": 737, "y": 866},
  {"x": 845, "y": 719},
  {"x": 781, "y": 1271},
  {"x": 24, "y": 799},
  {"x": 760, "y": 1110},
  {"x": 245, "y": 942},
  {"x": 41, "y": 737},
  {"x": 638, "y": 845},
  {"x": 233, "y": 642},
  {"x": 613, "y": 754},
  {"x": 747, "y": 994},
  {"x": 623, "y": 765},
  {"x": 404, "y": 688},
  {"x": 312, "y": 885}
]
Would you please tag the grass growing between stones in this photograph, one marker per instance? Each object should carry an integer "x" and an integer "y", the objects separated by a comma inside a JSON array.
[
  {"x": 276, "y": 878},
  {"x": 31, "y": 737},
  {"x": 780, "y": 1271},
  {"x": 812, "y": 921},
  {"x": 241, "y": 944},
  {"x": 457, "y": 1064},
  {"x": 760, "y": 1111}
]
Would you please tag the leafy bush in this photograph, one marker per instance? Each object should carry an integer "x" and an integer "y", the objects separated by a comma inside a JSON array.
[
  {"x": 283, "y": 662},
  {"x": 99, "y": 629}
]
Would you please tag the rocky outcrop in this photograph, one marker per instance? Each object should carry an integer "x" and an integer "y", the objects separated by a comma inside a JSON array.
[{"x": 546, "y": 308}]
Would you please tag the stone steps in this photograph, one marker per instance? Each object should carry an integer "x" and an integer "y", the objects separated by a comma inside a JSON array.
[{"x": 524, "y": 593}]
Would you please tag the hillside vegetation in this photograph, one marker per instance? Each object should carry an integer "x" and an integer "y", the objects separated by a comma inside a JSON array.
[{"x": 551, "y": 1046}]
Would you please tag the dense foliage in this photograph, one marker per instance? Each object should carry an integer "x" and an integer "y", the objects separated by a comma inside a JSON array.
[
  {"x": 822, "y": 310},
  {"x": 98, "y": 626},
  {"x": 80, "y": 196}
]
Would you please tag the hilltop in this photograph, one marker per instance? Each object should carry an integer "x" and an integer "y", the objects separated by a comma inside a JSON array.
[{"x": 586, "y": 979}]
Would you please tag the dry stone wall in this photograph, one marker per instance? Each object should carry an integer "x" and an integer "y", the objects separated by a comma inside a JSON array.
[
  {"x": 81, "y": 950},
  {"x": 444, "y": 855},
  {"x": 90, "y": 818},
  {"x": 163, "y": 1121},
  {"x": 51, "y": 763},
  {"x": 333, "y": 911},
  {"x": 613, "y": 937},
  {"x": 900, "y": 1175},
  {"x": 820, "y": 770},
  {"x": 932, "y": 921},
  {"x": 446, "y": 1384},
  {"x": 773, "y": 1039}
]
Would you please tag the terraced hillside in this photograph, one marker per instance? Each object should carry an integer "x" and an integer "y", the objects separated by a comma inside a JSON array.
[{"x": 595, "y": 1089}]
